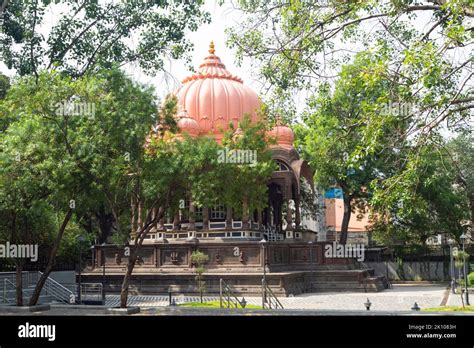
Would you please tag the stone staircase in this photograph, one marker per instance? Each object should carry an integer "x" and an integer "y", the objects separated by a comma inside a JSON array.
[
  {"x": 52, "y": 291},
  {"x": 363, "y": 280},
  {"x": 283, "y": 283}
]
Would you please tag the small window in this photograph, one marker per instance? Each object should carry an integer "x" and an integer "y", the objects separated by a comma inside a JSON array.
[
  {"x": 184, "y": 211},
  {"x": 198, "y": 213},
  {"x": 282, "y": 167},
  {"x": 218, "y": 212}
]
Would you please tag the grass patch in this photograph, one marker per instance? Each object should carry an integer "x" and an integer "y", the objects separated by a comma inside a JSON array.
[
  {"x": 450, "y": 309},
  {"x": 214, "y": 304}
]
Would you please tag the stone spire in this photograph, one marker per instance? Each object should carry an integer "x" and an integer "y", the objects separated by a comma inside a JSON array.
[{"x": 211, "y": 48}]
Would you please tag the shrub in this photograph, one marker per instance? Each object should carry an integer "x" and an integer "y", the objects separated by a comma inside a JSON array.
[{"x": 470, "y": 279}]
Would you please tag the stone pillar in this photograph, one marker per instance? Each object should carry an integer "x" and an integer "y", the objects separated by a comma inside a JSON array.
[
  {"x": 176, "y": 221},
  {"x": 160, "y": 225},
  {"x": 192, "y": 217},
  {"x": 205, "y": 219},
  {"x": 245, "y": 214},
  {"x": 297, "y": 214},
  {"x": 259, "y": 218},
  {"x": 289, "y": 216},
  {"x": 289, "y": 228},
  {"x": 228, "y": 218}
]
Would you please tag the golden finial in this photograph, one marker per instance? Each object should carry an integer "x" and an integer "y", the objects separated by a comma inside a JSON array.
[{"x": 211, "y": 48}]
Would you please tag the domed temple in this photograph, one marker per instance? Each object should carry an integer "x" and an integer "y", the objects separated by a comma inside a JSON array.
[
  {"x": 209, "y": 101},
  {"x": 278, "y": 241}
]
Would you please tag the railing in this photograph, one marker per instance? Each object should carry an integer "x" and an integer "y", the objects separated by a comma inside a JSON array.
[
  {"x": 272, "y": 234},
  {"x": 5, "y": 298},
  {"x": 91, "y": 292},
  {"x": 269, "y": 300},
  {"x": 214, "y": 229},
  {"x": 29, "y": 279},
  {"x": 58, "y": 291},
  {"x": 217, "y": 225},
  {"x": 227, "y": 297},
  {"x": 11, "y": 276}
]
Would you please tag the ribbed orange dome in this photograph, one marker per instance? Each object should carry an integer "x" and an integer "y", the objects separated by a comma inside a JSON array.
[
  {"x": 283, "y": 134},
  {"x": 214, "y": 97},
  {"x": 187, "y": 125}
]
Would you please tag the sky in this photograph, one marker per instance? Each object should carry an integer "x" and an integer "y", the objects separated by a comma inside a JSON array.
[{"x": 222, "y": 17}]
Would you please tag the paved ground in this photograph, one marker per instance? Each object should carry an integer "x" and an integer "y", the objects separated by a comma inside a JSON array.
[
  {"x": 400, "y": 298},
  {"x": 396, "y": 301},
  {"x": 455, "y": 299}
]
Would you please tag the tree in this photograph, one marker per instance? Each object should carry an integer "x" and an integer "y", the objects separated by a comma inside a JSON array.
[
  {"x": 423, "y": 49},
  {"x": 23, "y": 220},
  {"x": 335, "y": 125},
  {"x": 90, "y": 35},
  {"x": 39, "y": 184},
  {"x": 244, "y": 186},
  {"x": 461, "y": 257},
  {"x": 426, "y": 201},
  {"x": 87, "y": 136},
  {"x": 460, "y": 151},
  {"x": 175, "y": 168},
  {"x": 199, "y": 259},
  {"x": 297, "y": 45},
  {"x": 35, "y": 167},
  {"x": 4, "y": 85}
]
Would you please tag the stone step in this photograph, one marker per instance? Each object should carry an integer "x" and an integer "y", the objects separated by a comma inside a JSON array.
[{"x": 348, "y": 286}]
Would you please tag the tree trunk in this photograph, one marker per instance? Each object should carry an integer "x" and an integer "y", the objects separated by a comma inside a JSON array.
[
  {"x": 126, "y": 280},
  {"x": 346, "y": 218},
  {"x": 106, "y": 223},
  {"x": 133, "y": 256},
  {"x": 52, "y": 258},
  {"x": 150, "y": 221},
  {"x": 19, "y": 283}
]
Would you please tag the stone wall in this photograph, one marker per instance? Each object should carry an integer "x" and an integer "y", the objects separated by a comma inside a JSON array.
[
  {"x": 413, "y": 270},
  {"x": 234, "y": 256},
  {"x": 292, "y": 268}
]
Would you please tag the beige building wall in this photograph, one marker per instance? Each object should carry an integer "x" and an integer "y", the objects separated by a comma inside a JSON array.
[{"x": 334, "y": 211}]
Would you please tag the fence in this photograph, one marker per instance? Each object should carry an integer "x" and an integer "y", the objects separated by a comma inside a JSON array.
[
  {"x": 61, "y": 264},
  {"x": 430, "y": 263}
]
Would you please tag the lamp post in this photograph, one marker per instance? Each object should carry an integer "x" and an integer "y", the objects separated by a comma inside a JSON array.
[
  {"x": 310, "y": 243},
  {"x": 263, "y": 244},
  {"x": 415, "y": 307},
  {"x": 80, "y": 239},
  {"x": 170, "y": 296},
  {"x": 368, "y": 304},
  {"x": 243, "y": 303},
  {"x": 103, "y": 271},
  {"x": 463, "y": 240},
  {"x": 451, "y": 266}
]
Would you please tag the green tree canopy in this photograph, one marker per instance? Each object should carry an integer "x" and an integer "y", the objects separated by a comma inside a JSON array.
[
  {"x": 94, "y": 34},
  {"x": 336, "y": 123}
]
